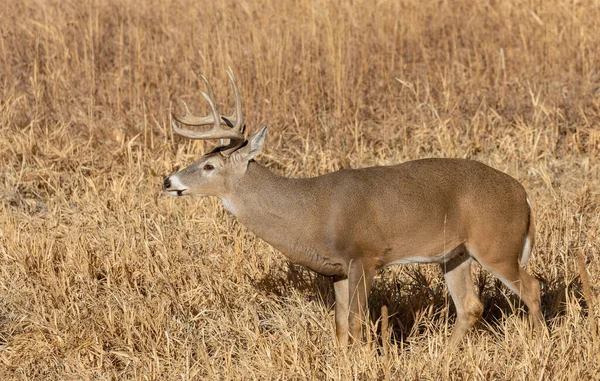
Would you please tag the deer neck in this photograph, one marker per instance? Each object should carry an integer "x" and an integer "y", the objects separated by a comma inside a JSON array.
[
  {"x": 286, "y": 213},
  {"x": 267, "y": 204}
]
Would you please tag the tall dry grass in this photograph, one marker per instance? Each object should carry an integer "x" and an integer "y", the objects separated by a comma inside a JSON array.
[{"x": 102, "y": 276}]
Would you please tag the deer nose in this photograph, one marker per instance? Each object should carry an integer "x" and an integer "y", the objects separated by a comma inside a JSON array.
[{"x": 167, "y": 183}]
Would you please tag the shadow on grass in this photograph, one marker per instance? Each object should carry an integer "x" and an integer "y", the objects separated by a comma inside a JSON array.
[
  {"x": 297, "y": 278},
  {"x": 416, "y": 301}
]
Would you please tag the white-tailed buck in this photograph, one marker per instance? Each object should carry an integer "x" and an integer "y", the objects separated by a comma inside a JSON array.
[{"x": 350, "y": 223}]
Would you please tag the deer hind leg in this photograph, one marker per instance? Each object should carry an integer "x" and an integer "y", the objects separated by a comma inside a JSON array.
[
  {"x": 360, "y": 280},
  {"x": 496, "y": 261},
  {"x": 530, "y": 293},
  {"x": 469, "y": 308}
]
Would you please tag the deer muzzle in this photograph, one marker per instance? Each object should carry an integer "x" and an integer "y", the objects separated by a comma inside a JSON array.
[{"x": 173, "y": 186}]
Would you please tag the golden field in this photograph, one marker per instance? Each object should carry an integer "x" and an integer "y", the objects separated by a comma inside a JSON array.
[{"x": 104, "y": 276}]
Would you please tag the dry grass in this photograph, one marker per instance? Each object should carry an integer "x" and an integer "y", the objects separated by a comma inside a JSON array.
[{"x": 103, "y": 276}]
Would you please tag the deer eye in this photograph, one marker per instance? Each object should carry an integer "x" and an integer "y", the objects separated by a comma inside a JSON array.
[{"x": 208, "y": 167}]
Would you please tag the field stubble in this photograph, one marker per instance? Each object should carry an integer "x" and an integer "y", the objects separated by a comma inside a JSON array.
[{"x": 103, "y": 276}]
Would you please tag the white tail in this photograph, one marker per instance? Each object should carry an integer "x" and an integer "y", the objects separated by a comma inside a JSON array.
[
  {"x": 349, "y": 223},
  {"x": 529, "y": 239}
]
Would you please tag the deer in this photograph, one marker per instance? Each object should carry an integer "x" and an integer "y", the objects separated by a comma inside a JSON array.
[{"x": 348, "y": 224}]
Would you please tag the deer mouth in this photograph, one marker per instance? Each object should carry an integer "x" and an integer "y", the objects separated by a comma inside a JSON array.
[
  {"x": 168, "y": 185},
  {"x": 175, "y": 192}
]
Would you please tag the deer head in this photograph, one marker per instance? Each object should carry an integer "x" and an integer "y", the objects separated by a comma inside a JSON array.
[{"x": 214, "y": 173}]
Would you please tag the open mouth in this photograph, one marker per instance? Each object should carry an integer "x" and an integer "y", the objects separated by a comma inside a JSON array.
[{"x": 175, "y": 192}]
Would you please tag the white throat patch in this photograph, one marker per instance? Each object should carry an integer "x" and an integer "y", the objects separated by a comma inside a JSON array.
[{"x": 228, "y": 205}]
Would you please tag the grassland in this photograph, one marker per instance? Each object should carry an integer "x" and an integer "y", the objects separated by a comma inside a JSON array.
[{"x": 103, "y": 276}]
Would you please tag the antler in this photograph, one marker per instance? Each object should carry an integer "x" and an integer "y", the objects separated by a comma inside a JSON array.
[{"x": 235, "y": 131}]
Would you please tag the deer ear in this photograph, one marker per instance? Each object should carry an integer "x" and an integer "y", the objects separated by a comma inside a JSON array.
[{"x": 255, "y": 143}]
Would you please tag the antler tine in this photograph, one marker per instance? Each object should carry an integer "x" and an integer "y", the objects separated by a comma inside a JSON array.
[
  {"x": 208, "y": 86},
  {"x": 213, "y": 109},
  {"x": 238, "y": 115}
]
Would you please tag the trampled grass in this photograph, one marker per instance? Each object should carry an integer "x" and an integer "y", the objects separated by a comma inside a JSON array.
[{"x": 104, "y": 276}]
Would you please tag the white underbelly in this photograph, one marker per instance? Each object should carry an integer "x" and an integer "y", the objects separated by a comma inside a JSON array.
[{"x": 439, "y": 258}]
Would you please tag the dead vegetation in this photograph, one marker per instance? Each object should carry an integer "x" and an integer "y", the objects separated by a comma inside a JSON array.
[{"x": 102, "y": 276}]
